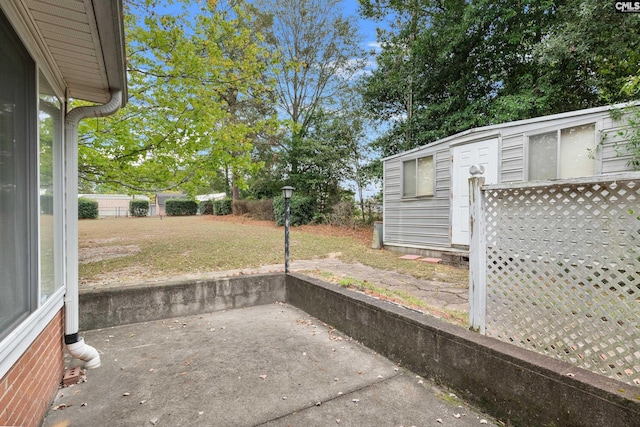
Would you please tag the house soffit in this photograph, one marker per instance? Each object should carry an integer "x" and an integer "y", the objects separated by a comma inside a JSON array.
[{"x": 84, "y": 42}]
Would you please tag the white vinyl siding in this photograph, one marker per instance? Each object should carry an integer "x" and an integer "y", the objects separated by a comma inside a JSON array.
[{"x": 417, "y": 221}]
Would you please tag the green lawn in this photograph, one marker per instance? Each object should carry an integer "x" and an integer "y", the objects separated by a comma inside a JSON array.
[{"x": 151, "y": 247}]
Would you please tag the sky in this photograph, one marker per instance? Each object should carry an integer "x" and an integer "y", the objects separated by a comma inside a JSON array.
[{"x": 366, "y": 27}]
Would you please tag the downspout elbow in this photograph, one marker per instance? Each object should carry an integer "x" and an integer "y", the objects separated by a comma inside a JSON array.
[{"x": 86, "y": 353}]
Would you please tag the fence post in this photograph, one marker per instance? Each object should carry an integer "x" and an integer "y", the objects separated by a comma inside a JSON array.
[{"x": 477, "y": 252}]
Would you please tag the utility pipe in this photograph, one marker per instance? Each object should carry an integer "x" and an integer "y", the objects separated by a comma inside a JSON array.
[{"x": 76, "y": 346}]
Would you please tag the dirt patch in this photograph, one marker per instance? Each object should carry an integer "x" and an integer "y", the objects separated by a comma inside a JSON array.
[{"x": 102, "y": 253}]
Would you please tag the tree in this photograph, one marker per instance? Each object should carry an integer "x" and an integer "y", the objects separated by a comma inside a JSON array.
[
  {"x": 199, "y": 97},
  {"x": 470, "y": 64},
  {"x": 319, "y": 56}
]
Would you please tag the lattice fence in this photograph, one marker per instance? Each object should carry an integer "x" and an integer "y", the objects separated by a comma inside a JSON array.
[{"x": 563, "y": 272}]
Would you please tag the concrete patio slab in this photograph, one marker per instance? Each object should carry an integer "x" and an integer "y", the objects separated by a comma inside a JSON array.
[{"x": 266, "y": 365}]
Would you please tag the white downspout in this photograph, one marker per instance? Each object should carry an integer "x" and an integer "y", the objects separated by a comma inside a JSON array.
[{"x": 75, "y": 344}]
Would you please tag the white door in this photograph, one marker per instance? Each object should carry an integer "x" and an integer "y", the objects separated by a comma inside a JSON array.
[{"x": 483, "y": 153}]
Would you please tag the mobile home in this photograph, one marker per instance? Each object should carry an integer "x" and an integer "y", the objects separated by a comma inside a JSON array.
[{"x": 426, "y": 192}]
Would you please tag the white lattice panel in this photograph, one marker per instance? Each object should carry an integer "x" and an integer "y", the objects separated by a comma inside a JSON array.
[{"x": 563, "y": 273}]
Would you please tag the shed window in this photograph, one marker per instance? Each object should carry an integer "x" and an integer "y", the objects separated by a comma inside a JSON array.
[
  {"x": 417, "y": 177},
  {"x": 562, "y": 154}
]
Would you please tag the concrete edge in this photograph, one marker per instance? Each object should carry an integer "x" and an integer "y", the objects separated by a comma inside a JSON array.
[
  {"x": 101, "y": 308},
  {"x": 511, "y": 383},
  {"x": 519, "y": 386}
]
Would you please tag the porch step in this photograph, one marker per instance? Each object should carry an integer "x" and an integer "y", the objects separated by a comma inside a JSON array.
[{"x": 431, "y": 260}]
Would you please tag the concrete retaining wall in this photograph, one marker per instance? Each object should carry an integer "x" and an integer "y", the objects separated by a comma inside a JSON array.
[
  {"x": 513, "y": 384},
  {"x": 142, "y": 303}
]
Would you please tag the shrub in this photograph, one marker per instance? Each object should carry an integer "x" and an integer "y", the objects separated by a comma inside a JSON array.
[
  {"x": 180, "y": 207},
  {"x": 46, "y": 204},
  {"x": 240, "y": 207},
  {"x": 139, "y": 207},
  {"x": 342, "y": 214},
  {"x": 302, "y": 210},
  {"x": 257, "y": 209},
  {"x": 87, "y": 208},
  {"x": 222, "y": 206},
  {"x": 261, "y": 209}
]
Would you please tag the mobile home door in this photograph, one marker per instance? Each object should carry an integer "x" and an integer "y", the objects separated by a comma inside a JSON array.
[{"x": 483, "y": 153}]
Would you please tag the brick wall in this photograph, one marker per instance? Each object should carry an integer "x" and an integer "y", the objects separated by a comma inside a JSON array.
[{"x": 28, "y": 388}]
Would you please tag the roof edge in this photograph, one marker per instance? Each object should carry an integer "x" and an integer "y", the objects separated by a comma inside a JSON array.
[{"x": 495, "y": 127}]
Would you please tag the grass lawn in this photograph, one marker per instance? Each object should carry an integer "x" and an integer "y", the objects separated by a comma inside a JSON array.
[{"x": 127, "y": 249}]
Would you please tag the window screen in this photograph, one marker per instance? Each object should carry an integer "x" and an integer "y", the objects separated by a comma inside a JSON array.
[
  {"x": 409, "y": 178},
  {"x": 418, "y": 177},
  {"x": 562, "y": 154},
  {"x": 18, "y": 201}
]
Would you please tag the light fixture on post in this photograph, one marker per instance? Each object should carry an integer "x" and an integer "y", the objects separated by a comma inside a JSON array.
[{"x": 287, "y": 192}]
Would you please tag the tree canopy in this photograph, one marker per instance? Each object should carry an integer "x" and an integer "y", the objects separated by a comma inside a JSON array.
[
  {"x": 450, "y": 66},
  {"x": 200, "y": 95}
]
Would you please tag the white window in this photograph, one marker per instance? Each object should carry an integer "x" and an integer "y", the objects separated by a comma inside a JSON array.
[
  {"x": 30, "y": 161},
  {"x": 18, "y": 229},
  {"x": 50, "y": 159},
  {"x": 418, "y": 177},
  {"x": 562, "y": 154}
]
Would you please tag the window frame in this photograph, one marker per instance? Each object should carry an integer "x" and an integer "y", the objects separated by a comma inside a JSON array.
[
  {"x": 416, "y": 161},
  {"x": 25, "y": 119},
  {"x": 558, "y": 148},
  {"x": 18, "y": 335}
]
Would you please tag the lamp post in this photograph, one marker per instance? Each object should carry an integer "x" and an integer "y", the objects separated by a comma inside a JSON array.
[{"x": 287, "y": 191}]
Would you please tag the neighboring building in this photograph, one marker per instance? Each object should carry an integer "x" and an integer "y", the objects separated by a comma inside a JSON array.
[
  {"x": 51, "y": 51},
  {"x": 426, "y": 190},
  {"x": 113, "y": 205},
  {"x": 161, "y": 200},
  {"x": 214, "y": 196}
]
